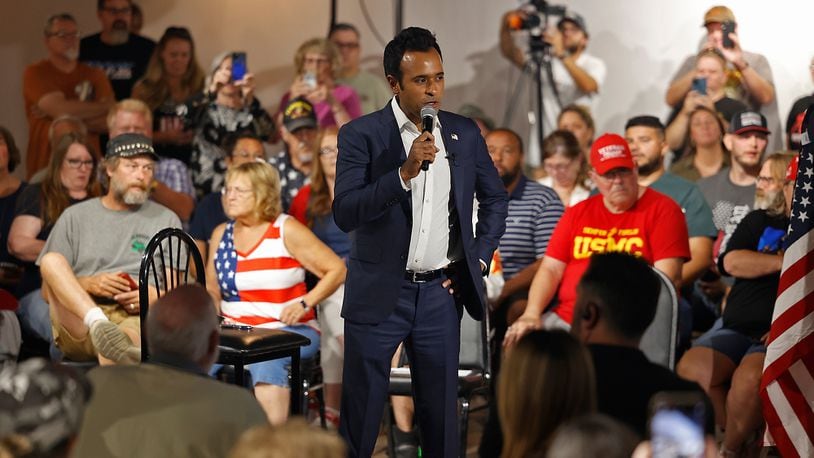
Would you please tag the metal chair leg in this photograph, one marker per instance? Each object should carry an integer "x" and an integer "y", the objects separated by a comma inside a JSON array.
[{"x": 463, "y": 426}]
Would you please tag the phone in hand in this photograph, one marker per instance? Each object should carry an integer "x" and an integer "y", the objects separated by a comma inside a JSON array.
[
  {"x": 699, "y": 85},
  {"x": 677, "y": 420},
  {"x": 239, "y": 67},
  {"x": 727, "y": 27},
  {"x": 310, "y": 79},
  {"x": 129, "y": 279}
]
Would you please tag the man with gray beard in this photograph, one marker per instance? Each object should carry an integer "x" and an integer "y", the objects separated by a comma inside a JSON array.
[
  {"x": 121, "y": 54},
  {"x": 92, "y": 257}
]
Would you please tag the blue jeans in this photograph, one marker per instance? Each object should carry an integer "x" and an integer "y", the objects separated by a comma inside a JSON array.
[{"x": 35, "y": 319}]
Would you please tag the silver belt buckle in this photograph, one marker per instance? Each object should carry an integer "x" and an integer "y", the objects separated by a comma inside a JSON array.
[{"x": 414, "y": 277}]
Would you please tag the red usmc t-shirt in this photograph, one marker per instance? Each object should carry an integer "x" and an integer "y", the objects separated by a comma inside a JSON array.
[{"x": 654, "y": 228}]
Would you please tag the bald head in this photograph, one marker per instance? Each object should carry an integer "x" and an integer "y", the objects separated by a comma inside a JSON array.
[{"x": 183, "y": 323}]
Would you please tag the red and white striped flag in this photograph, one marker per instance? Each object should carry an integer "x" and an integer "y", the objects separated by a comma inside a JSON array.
[{"x": 787, "y": 387}]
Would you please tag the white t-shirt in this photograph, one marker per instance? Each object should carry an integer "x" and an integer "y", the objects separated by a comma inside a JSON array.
[{"x": 568, "y": 94}]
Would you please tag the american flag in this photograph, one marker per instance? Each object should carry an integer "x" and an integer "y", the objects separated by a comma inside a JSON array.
[{"x": 787, "y": 387}]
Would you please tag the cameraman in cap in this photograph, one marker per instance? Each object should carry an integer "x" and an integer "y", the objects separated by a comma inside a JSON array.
[{"x": 577, "y": 75}]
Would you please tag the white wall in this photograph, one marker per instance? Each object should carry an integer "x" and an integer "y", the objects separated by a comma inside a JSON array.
[{"x": 641, "y": 41}]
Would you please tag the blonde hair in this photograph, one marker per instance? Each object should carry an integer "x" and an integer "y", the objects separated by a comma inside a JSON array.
[
  {"x": 547, "y": 378},
  {"x": 132, "y": 106},
  {"x": 293, "y": 439},
  {"x": 265, "y": 186},
  {"x": 779, "y": 162},
  {"x": 321, "y": 46}
]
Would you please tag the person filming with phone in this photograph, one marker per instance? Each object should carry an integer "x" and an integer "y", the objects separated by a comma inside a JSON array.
[
  {"x": 317, "y": 63},
  {"x": 227, "y": 105},
  {"x": 708, "y": 90},
  {"x": 748, "y": 75}
]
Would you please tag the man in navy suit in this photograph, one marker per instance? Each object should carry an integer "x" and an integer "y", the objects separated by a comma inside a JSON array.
[{"x": 415, "y": 261}]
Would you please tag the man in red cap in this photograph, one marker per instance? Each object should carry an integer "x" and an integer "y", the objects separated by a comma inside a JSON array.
[{"x": 623, "y": 217}]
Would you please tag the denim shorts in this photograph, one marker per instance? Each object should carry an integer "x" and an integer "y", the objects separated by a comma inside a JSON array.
[{"x": 731, "y": 343}]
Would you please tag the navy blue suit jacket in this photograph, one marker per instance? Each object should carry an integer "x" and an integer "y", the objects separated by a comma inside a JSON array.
[{"x": 371, "y": 205}]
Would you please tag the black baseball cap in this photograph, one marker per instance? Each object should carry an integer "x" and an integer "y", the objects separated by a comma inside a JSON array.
[
  {"x": 129, "y": 145},
  {"x": 299, "y": 113},
  {"x": 748, "y": 121}
]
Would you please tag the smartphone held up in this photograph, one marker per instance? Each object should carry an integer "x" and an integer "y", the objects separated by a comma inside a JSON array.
[{"x": 239, "y": 67}]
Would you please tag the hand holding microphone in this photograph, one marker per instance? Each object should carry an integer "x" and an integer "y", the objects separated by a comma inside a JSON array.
[{"x": 423, "y": 150}]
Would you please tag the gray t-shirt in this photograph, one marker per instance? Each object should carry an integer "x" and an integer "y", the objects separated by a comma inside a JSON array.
[
  {"x": 96, "y": 239},
  {"x": 729, "y": 203}
]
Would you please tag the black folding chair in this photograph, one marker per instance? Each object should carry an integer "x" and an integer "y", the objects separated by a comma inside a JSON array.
[{"x": 172, "y": 259}]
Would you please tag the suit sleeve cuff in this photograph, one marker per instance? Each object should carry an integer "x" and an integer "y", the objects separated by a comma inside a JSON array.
[{"x": 405, "y": 186}]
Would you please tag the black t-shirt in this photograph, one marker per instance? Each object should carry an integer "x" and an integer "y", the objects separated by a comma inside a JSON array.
[
  {"x": 794, "y": 123},
  {"x": 750, "y": 303},
  {"x": 625, "y": 382},
  {"x": 206, "y": 217},
  {"x": 30, "y": 204},
  {"x": 165, "y": 118},
  {"x": 7, "y": 205},
  {"x": 124, "y": 64}
]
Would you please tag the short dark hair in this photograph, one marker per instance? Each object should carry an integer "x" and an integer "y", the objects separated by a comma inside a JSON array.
[
  {"x": 231, "y": 140},
  {"x": 645, "y": 121},
  {"x": 514, "y": 134},
  {"x": 343, "y": 26},
  {"x": 100, "y": 4},
  {"x": 409, "y": 39},
  {"x": 625, "y": 287},
  {"x": 13, "y": 151}
]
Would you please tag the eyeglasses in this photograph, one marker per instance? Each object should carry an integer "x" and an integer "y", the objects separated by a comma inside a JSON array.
[
  {"x": 63, "y": 35},
  {"x": 116, "y": 11},
  {"x": 346, "y": 45},
  {"x": 316, "y": 61},
  {"x": 551, "y": 168},
  {"x": 329, "y": 151},
  {"x": 767, "y": 180},
  {"x": 239, "y": 192},
  {"x": 78, "y": 163},
  {"x": 617, "y": 173}
]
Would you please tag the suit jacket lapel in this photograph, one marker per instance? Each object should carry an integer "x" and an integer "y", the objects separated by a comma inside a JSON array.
[
  {"x": 452, "y": 146},
  {"x": 391, "y": 136}
]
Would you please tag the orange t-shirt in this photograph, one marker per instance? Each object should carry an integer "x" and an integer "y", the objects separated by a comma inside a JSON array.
[{"x": 43, "y": 78}]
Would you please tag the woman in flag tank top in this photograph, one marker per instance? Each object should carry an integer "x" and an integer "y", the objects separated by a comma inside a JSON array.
[{"x": 256, "y": 273}]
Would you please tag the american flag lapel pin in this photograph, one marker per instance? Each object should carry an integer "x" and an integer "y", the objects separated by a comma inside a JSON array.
[{"x": 454, "y": 136}]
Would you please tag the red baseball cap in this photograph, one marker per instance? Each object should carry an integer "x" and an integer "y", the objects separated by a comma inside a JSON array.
[{"x": 610, "y": 151}]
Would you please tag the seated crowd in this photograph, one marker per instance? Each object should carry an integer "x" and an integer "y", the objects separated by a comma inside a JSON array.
[{"x": 597, "y": 226}]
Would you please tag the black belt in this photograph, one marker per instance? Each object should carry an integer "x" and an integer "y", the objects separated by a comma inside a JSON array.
[{"x": 430, "y": 275}]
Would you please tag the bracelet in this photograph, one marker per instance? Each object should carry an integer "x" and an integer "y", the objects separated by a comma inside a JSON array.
[{"x": 304, "y": 305}]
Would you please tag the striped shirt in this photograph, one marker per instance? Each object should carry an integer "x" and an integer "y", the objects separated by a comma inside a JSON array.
[
  {"x": 534, "y": 210},
  {"x": 257, "y": 285}
]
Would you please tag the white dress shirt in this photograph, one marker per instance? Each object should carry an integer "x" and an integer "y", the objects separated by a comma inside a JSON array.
[{"x": 429, "y": 239}]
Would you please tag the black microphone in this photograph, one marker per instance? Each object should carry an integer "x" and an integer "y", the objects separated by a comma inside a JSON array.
[{"x": 427, "y": 122}]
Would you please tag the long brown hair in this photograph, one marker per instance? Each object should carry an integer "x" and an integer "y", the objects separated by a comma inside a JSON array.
[
  {"x": 564, "y": 142},
  {"x": 156, "y": 89},
  {"x": 54, "y": 196},
  {"x": 547, "y": 378},
  {"x": 319, "y": 202}
]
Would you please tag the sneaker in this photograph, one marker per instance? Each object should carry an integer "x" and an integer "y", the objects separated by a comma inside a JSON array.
[{"x": 112, "y": 343}]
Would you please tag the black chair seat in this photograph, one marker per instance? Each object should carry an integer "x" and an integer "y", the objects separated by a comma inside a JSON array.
[
  {"x": 259, "y": 339},
  {"x": 469, "y": 381}
]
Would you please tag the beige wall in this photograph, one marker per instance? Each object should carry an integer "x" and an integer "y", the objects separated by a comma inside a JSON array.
[{"x": 642, "y": 42}]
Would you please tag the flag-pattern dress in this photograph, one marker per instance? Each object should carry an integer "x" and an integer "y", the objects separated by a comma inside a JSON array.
[{"x": 257, "y": 285}]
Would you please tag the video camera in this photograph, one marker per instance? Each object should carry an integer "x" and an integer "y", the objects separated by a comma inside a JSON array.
[{"x": 539, "y": 15}]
